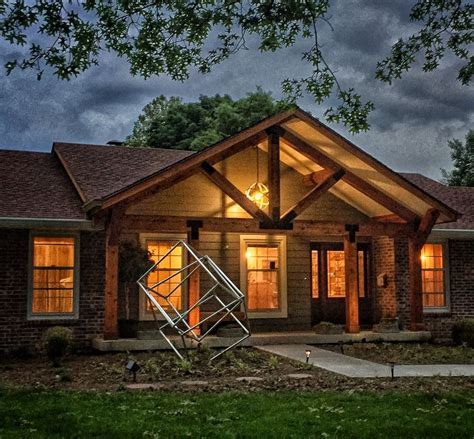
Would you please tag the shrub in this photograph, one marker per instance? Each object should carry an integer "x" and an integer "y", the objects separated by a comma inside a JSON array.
[
  {"x": 58, "y": 341},
  {"x": 463, "y": 332}
]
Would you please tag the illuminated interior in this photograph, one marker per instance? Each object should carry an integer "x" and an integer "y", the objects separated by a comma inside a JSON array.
[
  {"x": 262, "y": 277},
  {"x": 53, "y": 274},
  {"x": 432, "y": 270},
  {"x": 336, "y": 282},
  {"x": 167, "y": 267},
  {"x": 314, "y": 274}
]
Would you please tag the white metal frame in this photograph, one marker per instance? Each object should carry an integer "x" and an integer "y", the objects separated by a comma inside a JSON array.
[{"x": 177, "y": 319}]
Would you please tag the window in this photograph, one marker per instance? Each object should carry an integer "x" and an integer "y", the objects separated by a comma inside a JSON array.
[
  {"x": 314, "y": 274},
  {"x": 336, "y": 280},
  {"x": 168, "y": 268},
  {"x": 263, "y": 271},
  {"x": 54, "y": 273},
  {"x": 328, "y": 270},
  {"x": 433, "y": 275}
]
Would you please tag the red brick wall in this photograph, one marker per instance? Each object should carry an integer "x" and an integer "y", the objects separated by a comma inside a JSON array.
[
  {"x": 16, "y": 332},
  {"x": 461, "y": 276},
  {"x": 383, "y": 260}
]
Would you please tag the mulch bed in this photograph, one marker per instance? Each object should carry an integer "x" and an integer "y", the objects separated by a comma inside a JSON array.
[
  {"x": 406, "y": 353},
  {"x": 106, "y": 372}
]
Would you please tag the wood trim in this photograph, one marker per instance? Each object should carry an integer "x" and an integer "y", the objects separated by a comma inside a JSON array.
[
  {"x": 233, "y": 192},
  {"x": 379, "y": 166},
  {"x": 426, "y": 225},
  {"x": 312, "y": 196},
  {"x": 316, "y": 177},
  {"x": 274, "y": 174},
  {"x": 145, "y": 223},
  {"x": 391, "y": 218},
  {"x": 113, "y": 228},
  {"x": 194, "y": 290},
  {"x": 358, "y": 183},
  {"x": 415, "y": 284},
  {"x": 352, "y": 286},
  {"x": 213, "y": 154}
]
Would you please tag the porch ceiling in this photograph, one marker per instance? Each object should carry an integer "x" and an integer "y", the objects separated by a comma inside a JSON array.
[{"x": 347, "y": 159}]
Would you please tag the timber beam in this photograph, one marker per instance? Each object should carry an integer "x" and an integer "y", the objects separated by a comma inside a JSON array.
[
  {"x": 274, "y": 173},
  {"x": 233, "y": 192},
  {"x": 112, "y": 230},
  {"x": 148, "y": 223},
  {"x": 312, "y": 196},
  {"x": 355, "y": 181},
  {"x": 415, "y": 244}
]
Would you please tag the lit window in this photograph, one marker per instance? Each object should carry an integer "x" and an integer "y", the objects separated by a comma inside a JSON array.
[
  {"x": 53, "y": 275},
  {"x": 433, "y": 273},
  {"x": 314, "y": 274},
  {"x": 336, "y": 273},
  {"x": 262, "y": 277},
  {"x": 168, "y": 268}
]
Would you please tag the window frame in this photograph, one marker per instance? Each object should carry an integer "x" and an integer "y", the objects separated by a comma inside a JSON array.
[
  {"x": 143, "y": 315},
  {"x": 280, "y": 241},
  {"x": 447, "y": 296},
  {"x": 76, "y": 285}
]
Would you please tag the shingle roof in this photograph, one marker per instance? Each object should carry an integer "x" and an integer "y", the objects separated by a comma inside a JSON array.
[
  {"x": 100, "y": 170},
  {"x": 34, "y": 185},
  {"x": 459, "y": 198}
]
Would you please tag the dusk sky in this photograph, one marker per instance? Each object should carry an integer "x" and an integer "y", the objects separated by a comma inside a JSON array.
[{"x": 410, "y": 126}]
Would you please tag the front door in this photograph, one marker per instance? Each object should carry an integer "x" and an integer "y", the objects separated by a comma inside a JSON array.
[{"x": 328, "y": 290}]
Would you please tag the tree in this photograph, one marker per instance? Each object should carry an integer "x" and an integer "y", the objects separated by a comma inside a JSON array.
[
  {"x": 171, "y": 123},
  {"x": 172, "y": 37},
  {"x": 463, "y": 160}
]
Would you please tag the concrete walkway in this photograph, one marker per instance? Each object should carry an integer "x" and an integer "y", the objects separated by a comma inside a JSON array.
[{"x": 357, "y": 368}]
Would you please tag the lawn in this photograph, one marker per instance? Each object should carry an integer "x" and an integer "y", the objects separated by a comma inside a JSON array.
[{"x": 57, "y": 413}]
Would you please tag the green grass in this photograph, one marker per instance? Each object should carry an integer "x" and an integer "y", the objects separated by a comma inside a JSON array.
[{"x": 52, "y": 414}]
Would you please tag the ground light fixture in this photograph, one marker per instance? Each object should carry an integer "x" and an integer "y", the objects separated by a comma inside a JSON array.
[
  {"x": 392, "y": 369},
  {"x": 308, "y": 354},
  {"x": 258, "y": 191},
  {"x": 132, "y": 367}
]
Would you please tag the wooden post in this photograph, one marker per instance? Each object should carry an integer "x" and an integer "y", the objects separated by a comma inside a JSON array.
[
  {"x": 415, "y": 244},
  {"x": 352, "y": 287},
  {"x": 415, "y": 284},
  {"x": 113, "y": 227},
  {"x": 194, "y": 291},
  {"x": 274, "y": 175}
]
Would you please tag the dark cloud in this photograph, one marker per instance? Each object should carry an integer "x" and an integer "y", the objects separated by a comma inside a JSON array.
[{"x": 413, "y": 120}]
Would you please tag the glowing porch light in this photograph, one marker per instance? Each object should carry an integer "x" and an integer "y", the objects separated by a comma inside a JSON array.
[{"x": 258, "y": 194}]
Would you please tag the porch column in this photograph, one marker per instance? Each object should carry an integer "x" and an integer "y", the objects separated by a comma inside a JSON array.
[
  {"x": 415, "y": 244},
  {"x": 352, "y": 290},
  {"x": 415, "y": 284},
  {"x": 113, "y": 227},
  {"x": 194, "y": 279}
]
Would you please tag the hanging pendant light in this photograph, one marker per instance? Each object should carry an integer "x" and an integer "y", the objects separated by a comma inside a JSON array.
[{"x": 258, "y": 191}]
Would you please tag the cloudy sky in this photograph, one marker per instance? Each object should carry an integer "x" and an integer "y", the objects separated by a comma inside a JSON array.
[{"x": 410, "y": 127}]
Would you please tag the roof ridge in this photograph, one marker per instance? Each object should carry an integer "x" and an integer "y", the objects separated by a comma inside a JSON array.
[{"x": 100, "y": 145}]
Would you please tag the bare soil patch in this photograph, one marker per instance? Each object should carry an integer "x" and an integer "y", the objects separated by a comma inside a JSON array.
[{"x": 106, "y": 372}]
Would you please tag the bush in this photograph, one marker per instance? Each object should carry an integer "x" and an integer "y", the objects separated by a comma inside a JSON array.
[
  {"x": 58, "y": 341},
  {"x": 463, "y": 332}
]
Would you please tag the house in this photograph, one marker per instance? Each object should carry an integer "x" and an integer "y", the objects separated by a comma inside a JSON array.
[{"x": 339, "y": 236}]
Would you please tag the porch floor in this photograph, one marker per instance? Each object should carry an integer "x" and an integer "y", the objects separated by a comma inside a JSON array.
[{"x": 263, "y": 338}]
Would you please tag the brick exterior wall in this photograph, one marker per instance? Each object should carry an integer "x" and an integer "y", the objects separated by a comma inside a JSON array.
[
  {"x": 16, "y": 332},
  {"x": 383, "y": 262},
  {"x": 461, "y": 281}
]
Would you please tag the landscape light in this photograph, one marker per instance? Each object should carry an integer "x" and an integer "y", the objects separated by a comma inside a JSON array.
[
  {"x": 392, "y": 369},
  {"x": 133, "y": 367},
  {"x": 308, "y": 354}
]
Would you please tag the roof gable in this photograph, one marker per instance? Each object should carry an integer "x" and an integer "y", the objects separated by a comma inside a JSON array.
[{"x": 34, "y": 185}]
